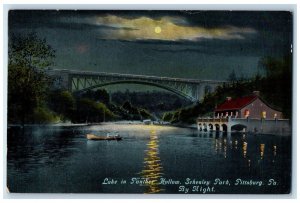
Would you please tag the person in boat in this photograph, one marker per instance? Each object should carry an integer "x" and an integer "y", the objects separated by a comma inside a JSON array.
[{"x": 116, "y": 135}]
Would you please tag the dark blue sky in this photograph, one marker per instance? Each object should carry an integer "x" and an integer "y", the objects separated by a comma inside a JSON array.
[{"x": 189, "y": 44}]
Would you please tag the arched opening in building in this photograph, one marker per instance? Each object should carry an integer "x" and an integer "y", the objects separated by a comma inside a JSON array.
[
  {"x": 238, "y": 128},
  {"x": 200, "y": 127},
  {"x": 205, "y": 127},
  {"x": 210, "y": 126},
  {"x": 224, "y": 126},
  {"x": 217, "y": 127}
]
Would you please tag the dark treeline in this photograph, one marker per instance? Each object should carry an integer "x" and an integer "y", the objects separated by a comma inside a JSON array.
[
  {"x": 153, "y": 101},
  {"x": 275, "y": 87},
  {"x": 96, "y": 106},
  {"x": 92, "y": 106}
]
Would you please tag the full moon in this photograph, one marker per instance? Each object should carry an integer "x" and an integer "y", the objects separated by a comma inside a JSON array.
[{"x": 157, "y": 30}]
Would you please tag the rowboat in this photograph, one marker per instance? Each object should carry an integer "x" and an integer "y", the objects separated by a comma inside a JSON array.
[{"x": 108, "y": 137}]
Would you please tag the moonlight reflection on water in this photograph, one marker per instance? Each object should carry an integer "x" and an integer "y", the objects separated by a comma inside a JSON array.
[
  {"x": 153, "y": 167},
  {"x": 61, "y": 159}
]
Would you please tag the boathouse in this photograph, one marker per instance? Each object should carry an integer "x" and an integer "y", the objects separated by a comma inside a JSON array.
[
  {"x": 251, "y": 106},
  {"x": 247, "y": 114}
]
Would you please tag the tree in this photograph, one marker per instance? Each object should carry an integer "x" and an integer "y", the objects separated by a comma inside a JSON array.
[
  {"x": 277, "y": 85},
  {"x": 43, "y": 115},
  {"x": 27, "y": 84},
  {"x": 101, "y": 95},
  {"x": 145, "y": 114},
  {"x": 167, "y": 116},
  {"x": 26, "y": 90},
  {"x": 92, "y": 111},
  {"x": 63, "y": 103},
  {"x": 29, "y": 51},
  {"x": 131, "y": 109}
]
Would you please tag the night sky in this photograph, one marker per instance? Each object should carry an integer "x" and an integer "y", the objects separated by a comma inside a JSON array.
[{"x": 188, "y": 44}]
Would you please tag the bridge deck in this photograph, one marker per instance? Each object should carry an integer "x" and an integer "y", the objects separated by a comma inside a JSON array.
[
  {"x": 78, "y": 81},
  {"x": 135, "y": 76}
]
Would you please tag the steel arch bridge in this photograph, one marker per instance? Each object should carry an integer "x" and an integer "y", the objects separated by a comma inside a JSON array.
[{"x": 79, "y": 81}]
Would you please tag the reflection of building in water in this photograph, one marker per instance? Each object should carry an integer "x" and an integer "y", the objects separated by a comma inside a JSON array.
[
  {"x": 221, "y": 146},
  {"x": 216, "y": 145},
  {"x": 262, "y": 150},
  {"x": 152, "y": 165},
  {"x": 240, "y": 145},
  {"x": 274, "y": 152},
  {"x": 225, "y": 148},
  {"x": 236, "y": 144},
  {"x": 245, "y": 149}
]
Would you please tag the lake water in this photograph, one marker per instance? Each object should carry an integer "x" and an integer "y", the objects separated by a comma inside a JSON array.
[{"x": 149, "y": 159}]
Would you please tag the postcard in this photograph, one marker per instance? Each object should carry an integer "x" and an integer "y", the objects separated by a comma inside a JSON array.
[{"x": 149, "y": 101}]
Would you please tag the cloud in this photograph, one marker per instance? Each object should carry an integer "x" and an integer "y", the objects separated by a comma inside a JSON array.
[{"x": 170, "y": 29}]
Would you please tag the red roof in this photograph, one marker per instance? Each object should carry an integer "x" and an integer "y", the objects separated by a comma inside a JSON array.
[{"x": 235, "y": 104}]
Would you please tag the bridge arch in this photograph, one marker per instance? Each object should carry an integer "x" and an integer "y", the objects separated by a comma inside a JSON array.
[
  {"x": 76, "y": 81},
  {"x": 239, "y": 127},
  {"x": 175, "y": 91}
]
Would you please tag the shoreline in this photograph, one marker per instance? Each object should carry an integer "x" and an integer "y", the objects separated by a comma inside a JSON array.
[
  {"x": 128, "y": 123},
  {"x": 102, "y": 123}
]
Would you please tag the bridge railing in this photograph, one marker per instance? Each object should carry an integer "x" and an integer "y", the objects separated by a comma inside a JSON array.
[{"x": 93, "y": 73}]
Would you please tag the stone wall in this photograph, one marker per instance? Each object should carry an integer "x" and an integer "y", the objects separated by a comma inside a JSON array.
[{"x": 265, "y": 126}]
